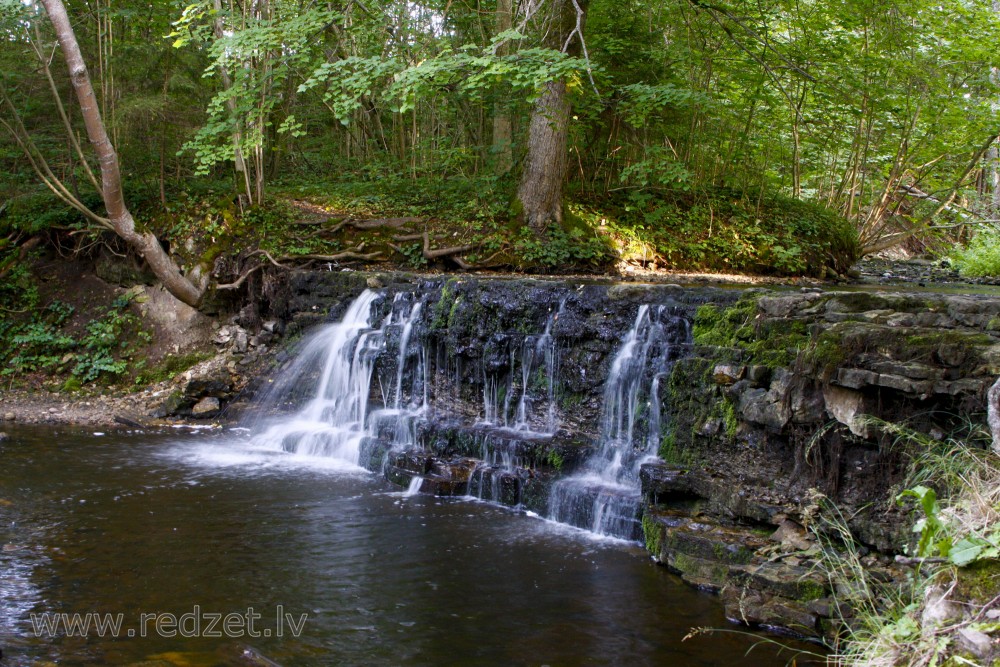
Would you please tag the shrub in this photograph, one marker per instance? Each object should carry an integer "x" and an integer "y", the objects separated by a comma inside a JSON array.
[{"x": 982, "y": 256}]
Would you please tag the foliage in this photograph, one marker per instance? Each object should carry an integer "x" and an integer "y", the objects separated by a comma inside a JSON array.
[
  {"x": 45, "y": 343},
  {"x": 981, "y": 257},
  {"x": 934, "y": 537},
  {"x": 561, "y": 249},
  {"x": 718, "y": 229}
]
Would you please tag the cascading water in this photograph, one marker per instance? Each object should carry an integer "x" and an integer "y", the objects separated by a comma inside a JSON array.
[
  {"x": 538, "y": 355},
  {"x": 332, "y": 422},
  {"x": 361, "y": 391},
  {"x": 335, "y": 419},
  {"x": 605, "y": 497}
]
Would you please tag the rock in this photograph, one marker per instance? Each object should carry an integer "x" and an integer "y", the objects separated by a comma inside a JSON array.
[
  {"x": 661, "y": 482},
  {"x": 759, "y": 375},
  {"x": 223, "y": 335},
  {"x": 240, "y": 341},
  {"x": 938, "y": 609},
  {"x": 846, "y": 406},
  {"x": 726, "y": 374},
  {"x": 173, "y": 405},
  {"x": 761, "y": 407},
  {"x": 9, "y": 417},
  {"x": 792, "y": 535},
  {"x": 272, "y": 326},
  {"x": 216, "y": 384},
  {"x": 206, "y": 407},
  {"x": 807, "y": 406},
  {"x": 4, "y": 436},
  {"x": 975, "y": 642}
]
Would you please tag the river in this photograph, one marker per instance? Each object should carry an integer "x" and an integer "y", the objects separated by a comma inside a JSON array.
[{"x": 168, "y": 532}]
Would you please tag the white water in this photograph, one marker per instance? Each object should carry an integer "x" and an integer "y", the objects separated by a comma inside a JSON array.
[
  {"x": 332, "y": 378},
  {"x": 538, "y": 355},
  {"x": 335, "y": 420},
  {"x": 605, "y": 496}
]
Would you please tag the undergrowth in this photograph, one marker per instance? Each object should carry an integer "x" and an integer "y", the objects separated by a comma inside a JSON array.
[
  {"x": 981, "y": 257},
  {"x": 44, "y": 343},
  {"x": 953, "y": 492}
]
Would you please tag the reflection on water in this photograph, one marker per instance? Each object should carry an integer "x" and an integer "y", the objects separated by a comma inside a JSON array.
[{"x": 137, "y": 524}]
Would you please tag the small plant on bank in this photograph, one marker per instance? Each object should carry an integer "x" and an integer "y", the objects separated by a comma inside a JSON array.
[
  {"x": 981, "y": 257},
  {"x": 43, "y": 344}
]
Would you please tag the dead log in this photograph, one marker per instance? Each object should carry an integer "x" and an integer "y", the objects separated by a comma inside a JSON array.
[
  {"x": 376, "y": 223},
  {"x": 347, "y": 254}
]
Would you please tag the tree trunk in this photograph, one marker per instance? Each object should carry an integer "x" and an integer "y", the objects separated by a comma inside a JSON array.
[
  {"x": 993, "y": 414},
  {"x": 540, "y": 192},
  {"x": 145, "y": 243},
  {"x": 539, "y": 196},
  {"x": 502, "y": 132}
]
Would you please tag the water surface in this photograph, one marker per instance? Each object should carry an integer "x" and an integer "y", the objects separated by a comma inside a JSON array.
[{"x": 171, "y": 523}]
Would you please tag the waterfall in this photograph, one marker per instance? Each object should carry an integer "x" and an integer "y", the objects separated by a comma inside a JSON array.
[
  {"x": 361, "y": 390},
  {"x": 604, "y": 496},
  {"x": 339, "y": 358},
  {"x": 538, "y": 354}
]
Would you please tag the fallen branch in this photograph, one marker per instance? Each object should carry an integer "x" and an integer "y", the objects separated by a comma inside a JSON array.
[
  {"x": 337, "y": 227},
  {"x": 347, "y": 254},
  {"x": 414, "y": 237},
  {"x": 239, "y": 281},
  {"x": 384, "y": 222},
  {"x": 444, "y": 252},
  {"x": 270, "y": 259},
  {"x": 22, "y": 253},
  {"x": 908, "y": 560}
]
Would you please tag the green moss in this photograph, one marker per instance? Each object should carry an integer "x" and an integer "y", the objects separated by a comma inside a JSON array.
[
  {"x": 652, "y": 534},
  {"x": 71, "y": 384},
  {"x": 554, "y": 459},
  {"x": 724, "y": 327},
  {"x": 729, "y": 419},
  {"x": 171, "y": 366},
  {"x": 809, "y": 590},
  {"x": 444, "y": 306},
  {"x": 979, "y": 581},
  {"x": 668, "y": 447}
]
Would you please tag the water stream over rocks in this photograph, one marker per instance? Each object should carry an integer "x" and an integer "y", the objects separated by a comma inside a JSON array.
[{"x": 373, "y": 405}]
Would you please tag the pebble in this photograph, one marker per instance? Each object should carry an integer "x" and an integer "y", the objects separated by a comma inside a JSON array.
[{"x": 9, "y": 416}]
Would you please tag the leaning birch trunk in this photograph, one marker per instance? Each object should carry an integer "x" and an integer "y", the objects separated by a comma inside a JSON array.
[
  {"x": 993, "y": 414},
  {"x": 145, "y": 243}
]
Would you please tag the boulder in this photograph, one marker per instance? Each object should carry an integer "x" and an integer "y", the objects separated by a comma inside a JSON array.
[{"x": 206, "y": 407}]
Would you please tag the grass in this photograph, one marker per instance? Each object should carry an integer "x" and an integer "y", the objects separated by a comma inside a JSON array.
[
  {"x": 981, "y": 257},
  {"x": 916, "y": 624}
]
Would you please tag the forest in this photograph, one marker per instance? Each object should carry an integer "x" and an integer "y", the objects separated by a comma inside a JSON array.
[{"x": 781, "y": 137}]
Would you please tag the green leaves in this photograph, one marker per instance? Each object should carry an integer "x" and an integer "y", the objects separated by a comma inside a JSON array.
[
  {"x": 934, "y": 536},
  {"x": 937, "y": 538},
  {"x": 468, "y": 72}
]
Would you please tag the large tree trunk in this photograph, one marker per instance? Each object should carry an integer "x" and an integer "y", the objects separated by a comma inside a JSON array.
[
  {"x": 145, "y": 243},
  {"x": 502, "y": 131},
  {"x": 539, "y": 195},
  {"x": 540, "y": 192}
]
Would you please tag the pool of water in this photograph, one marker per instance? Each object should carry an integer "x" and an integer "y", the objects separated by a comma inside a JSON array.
[{"x": 167, "y": 532}]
